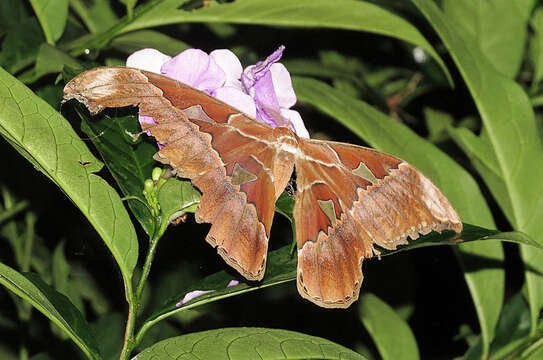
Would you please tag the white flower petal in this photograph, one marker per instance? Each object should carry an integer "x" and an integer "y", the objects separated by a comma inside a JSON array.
[
  {"x": 282, "y": 85},
  {"x": 229, "y": 63},
  {"x": 147, "y": 59},
  {"x": 191, "y": 295},
  {"x": 297, "y": 123},
  {"x": 236, "y": 98}
]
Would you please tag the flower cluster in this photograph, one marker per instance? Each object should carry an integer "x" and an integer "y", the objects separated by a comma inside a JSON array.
[{"x": 262, "y": 91}]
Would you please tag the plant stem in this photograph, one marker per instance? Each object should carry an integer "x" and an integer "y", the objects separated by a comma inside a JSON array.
[
  {"x": 12, "y": 211},
  {"x": 134, "y": 299},
  {"x": 128, "y": 345},
  {"x": 146, "y": 268},
  {"x": 28, "y": 242}
]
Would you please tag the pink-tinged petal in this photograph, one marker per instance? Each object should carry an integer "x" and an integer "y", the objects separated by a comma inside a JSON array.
[
  {"x": 247, "y": 79},
  {"x": 144, "y": 119},
  {"x": 236, "y": 98},
  {"x": 232, "y": 283},
  {"x": 282, "y": 85},
  {"x": 191, "y": 295},
  {"x": 147, "y": 59},
  {"x": 195, "y": 68},
  {"x": 230, "y": 64},
  {"x": 296, "y": 122},
  {"x": 268, "y": 109},
  {"x": 253, "y": 73}
]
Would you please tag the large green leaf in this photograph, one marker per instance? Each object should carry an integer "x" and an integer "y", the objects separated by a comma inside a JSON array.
[
  {"x": 512, "y": 136},
  {"x": 52, "y": 304},
  {"x": 47, "y": 140},
  {"x": 130, "y": 163},
  {"x": 499, "y": 27},
  {"x": 391, "y": 334},
  {"x": 339, "y": 14},
  {"x": 52, "y": 15},
  {"x": 389, "y": 135},
  {"x": 247, "y": 344}
]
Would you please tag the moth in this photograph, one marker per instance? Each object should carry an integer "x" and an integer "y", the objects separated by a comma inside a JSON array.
[{"x": 348, "y": 197}]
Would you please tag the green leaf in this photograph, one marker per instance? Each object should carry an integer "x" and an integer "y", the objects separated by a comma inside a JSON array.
[
  {"x": 513, "y": 326},
  {"x": 525, "y": 7},
  {"x": 536, "y": 45},
  {"x": 498, "y": 28},
  {"x": 391, "y": 334},
  {"x": 247, "y": 343},
  {"x": 53, "y": 305},
  {"x": 47, "y": 140},
  {"x": 52, "y": 15},
  {"x": 61, "y": 269},
  {"x": 437, "y": 123},
  {"x": 512, "y": 332},
  {"x": 284, "y": 206},
  {"x": 137, "y": 40},
  {"x": 96, "y": 14},
  {"x": 109, "y": 332},
  {"x": 534, "y": 281},
  {"x": 389, "y": 135},
  {"x": 21, "y": 44},
  {"x": 50, "y": 60},
  {"x": 12, "y": 13},
  {"x": 339, "y": 14},
  {"x": 177, "y": 197},
  {"x": 480, "y": 152},
  {"x": 130, "y": 163},
  {"x": 513, "y": 136},
  {"x": 83, "y": 286}
]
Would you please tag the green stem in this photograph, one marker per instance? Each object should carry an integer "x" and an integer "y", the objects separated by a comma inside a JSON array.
[
  {"x": 12, "y": 211},
  {"x": 28, "y": 242},
  {"x": 129, "y": 344},
  {"x": 134, "y": 301},
  {"x": 149, "y": 260}
]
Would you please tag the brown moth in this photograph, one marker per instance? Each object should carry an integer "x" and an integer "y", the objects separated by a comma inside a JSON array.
[{"x": 348, "y": 197}]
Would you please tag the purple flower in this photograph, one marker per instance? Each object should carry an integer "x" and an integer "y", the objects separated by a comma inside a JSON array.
[
  {"x": 196, "y": 293},
  {"x": 262, "y": 91},
  {"x": 192, "y": 295},
  {"x": 269, "y": 84},
  {"x": 232, "y": 283}
]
